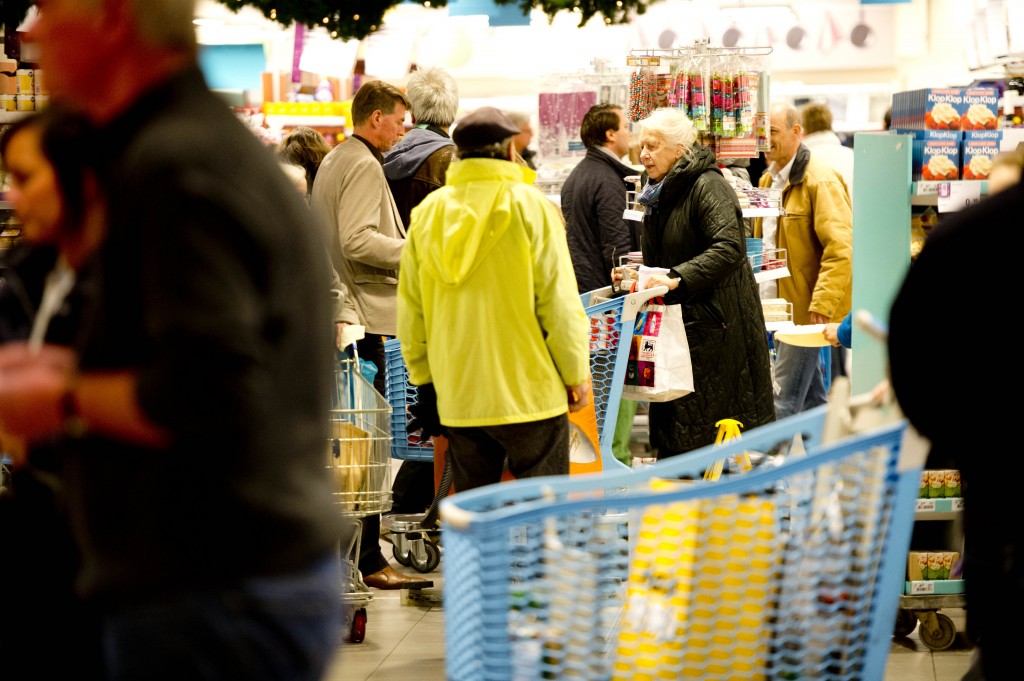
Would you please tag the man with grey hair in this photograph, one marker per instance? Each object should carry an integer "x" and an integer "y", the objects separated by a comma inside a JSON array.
[
  {"x": 417, "y": 164},
  {"x": 192, "y": 412},
  {"x": 415, "y": 167},
  {"x": 489, "y": 247}
]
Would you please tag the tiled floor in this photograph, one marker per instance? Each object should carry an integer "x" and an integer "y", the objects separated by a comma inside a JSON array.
[{"x": 406, "y": 643}]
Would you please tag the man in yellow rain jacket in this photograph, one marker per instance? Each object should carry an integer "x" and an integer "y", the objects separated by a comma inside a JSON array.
[{"x": 490, "y": 322}]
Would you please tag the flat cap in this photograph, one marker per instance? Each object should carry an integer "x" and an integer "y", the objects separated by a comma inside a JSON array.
[{"x": 484, "y": 126}]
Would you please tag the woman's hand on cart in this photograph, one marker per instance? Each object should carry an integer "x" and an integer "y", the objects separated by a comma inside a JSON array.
[{"x": 623, "y": 278}]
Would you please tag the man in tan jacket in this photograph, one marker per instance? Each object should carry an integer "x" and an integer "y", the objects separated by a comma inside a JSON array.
[
  {"x": 365, "y": 239},
  {"x": 816, "y": 230}
]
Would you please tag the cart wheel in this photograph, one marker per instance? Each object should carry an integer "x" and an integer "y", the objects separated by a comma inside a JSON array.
[
  {"x": 943, "y": 635},
  {"x": 906, "y": 622},
  {"x": 432, "y": 560},
  {"x": 358, "y": 630},
  {"x": 401, "y": 553}
]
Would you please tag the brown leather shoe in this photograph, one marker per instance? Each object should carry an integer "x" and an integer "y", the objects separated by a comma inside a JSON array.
[{"x": 390, "y": 578}]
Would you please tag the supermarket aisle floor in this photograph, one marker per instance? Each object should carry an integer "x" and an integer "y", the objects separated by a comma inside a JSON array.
[{"x": 406, "y": 643}]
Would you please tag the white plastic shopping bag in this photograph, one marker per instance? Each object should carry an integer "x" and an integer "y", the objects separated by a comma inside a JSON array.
[{"x": 659, "y": 366}]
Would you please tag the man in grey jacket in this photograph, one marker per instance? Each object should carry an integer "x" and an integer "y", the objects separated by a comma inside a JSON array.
[{"x": 416, "y": 166}]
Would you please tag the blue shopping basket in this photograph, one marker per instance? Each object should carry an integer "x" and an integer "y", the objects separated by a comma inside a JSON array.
[
  {"x": 611, "y": 329},
  {"x": 401, "y": 395},
  {"x": 789, "y": 571}
]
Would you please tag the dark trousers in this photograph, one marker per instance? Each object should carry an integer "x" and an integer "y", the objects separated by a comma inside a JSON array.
[
  {"x": 284, "y": 626},
  {"x": 536, "y": 448},
  {"x": 371, "y": 559},
  {"x": 413, "y": 488}
]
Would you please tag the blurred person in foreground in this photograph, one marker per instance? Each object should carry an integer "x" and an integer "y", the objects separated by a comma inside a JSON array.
[
  {"x": 488, "y": 250},
  {"x": 694, "y": 227},
  {"x": 416, "y": 166},
  {"x": 208, "y": 351},
  {"x": 365, "y": 238},
  {"x": 47, "y": 283},
  {"x": 1006, "y": 169},
  {"x": 945, "y": 390},
  {"x": 816, "y": 231}
]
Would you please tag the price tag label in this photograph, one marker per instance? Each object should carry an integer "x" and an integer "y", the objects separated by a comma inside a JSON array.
[
  {"x": 919, "y": 588},
  {"x": 954, "y": 196},
  {"x": 925, "y": 505},
  {"x": 958, "y": 504}
]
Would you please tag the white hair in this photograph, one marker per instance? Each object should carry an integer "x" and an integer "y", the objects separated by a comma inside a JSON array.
[
  {"x": 672, "y": 125},
  {"x": 434, "y": 96}
]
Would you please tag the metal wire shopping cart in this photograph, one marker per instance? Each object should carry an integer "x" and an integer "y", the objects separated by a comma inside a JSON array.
[
  {"x": 611, "y": 325},
  {"x": 359, "y": 457},
  {"x": 789, "y": 571}
]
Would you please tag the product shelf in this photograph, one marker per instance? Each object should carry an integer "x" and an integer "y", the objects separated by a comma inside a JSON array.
[
  {"x": 283, "y": 121},
  {"x": 762, "y": 212},
  {"x": 939, "y": 509},
  {"x": 926, "y": 192},
  {"x": 769, "y": 264}
]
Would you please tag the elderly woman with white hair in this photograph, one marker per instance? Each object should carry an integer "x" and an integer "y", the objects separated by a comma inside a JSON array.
[{"x": 693, "y": 226}]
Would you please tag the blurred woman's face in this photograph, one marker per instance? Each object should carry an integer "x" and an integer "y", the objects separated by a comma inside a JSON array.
[
  {"x": 657, "y": 155},
  {"x": 33, "y": 187}
]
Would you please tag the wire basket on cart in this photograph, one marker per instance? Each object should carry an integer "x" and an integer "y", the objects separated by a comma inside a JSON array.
[
  {"x": 358, "y": 455},
  {"x": 789, "y": 571}
]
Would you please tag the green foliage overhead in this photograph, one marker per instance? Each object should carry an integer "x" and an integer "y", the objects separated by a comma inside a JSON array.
[{"x": 345, "y": 19}]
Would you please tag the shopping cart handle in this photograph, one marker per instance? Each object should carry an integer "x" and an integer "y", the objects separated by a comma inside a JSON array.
[
  {"x": 872, "y": 325},
  {"x": 453, "y": 516},
  {"x": 634, "y": 301}
]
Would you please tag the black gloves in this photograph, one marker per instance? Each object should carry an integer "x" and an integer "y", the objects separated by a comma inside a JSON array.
[{"x": 424, "y": 413}]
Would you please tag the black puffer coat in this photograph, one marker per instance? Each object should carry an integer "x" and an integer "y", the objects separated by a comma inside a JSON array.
[{"x": 696, "y": 229}]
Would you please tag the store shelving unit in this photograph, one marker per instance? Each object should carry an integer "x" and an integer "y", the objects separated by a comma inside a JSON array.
[
  {"x": 883, "y": 198},
  {"x": 927, "y": 193},
  {"x": 937, "y": 631}
]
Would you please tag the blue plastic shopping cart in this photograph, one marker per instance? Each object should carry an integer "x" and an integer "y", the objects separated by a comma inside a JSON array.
[{"x": 789, "y": 571}]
